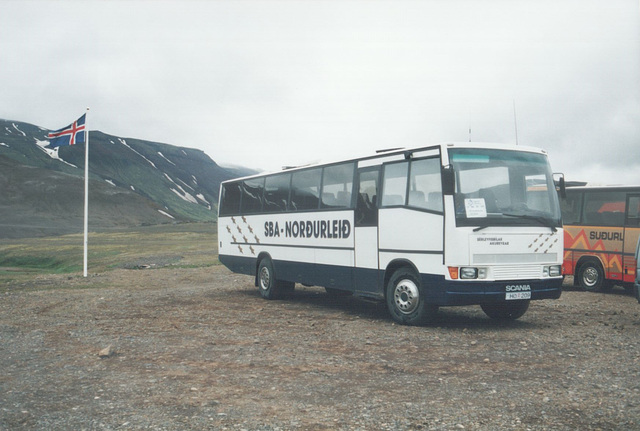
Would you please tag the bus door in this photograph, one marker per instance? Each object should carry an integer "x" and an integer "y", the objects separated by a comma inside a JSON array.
[
  {"x": 631, "y": 234},
  {"x": 366, "y": 231}
]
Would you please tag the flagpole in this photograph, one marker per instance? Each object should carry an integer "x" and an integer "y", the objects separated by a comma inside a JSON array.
[{"x": 86, "y": 193}]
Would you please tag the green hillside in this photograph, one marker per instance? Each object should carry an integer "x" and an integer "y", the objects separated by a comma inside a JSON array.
[{"x": 132, "y": 182}]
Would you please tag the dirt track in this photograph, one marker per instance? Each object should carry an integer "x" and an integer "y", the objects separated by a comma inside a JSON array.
[{"x": 199, "y": 349}]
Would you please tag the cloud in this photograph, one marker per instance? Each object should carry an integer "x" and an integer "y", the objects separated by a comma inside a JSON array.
[{"x": 272, "y": 83}]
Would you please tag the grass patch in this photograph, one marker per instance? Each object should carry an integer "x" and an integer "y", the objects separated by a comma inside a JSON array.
[
  {"x": 189, "y": 245},
  {"x": 30, "y": 262}
]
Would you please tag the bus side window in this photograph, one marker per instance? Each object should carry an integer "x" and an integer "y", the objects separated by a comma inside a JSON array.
[
  {"x": 612, "y": 218},
  {"x": 230, "y": 200},
  {"x": 633, "y": 212},
  {"x": 570, "y": 207},
  {"x": 252, "y": 196},
  {"x": 394, "y": 186},
  {"x": 337, "y": 184},
  {"x": 305, "y": 189},
  {"x": 276, "y": 193},
  {"x": 426, "y": 184},
  {"x": 366, "y": 207},
  {"x": 604, "y": 208}
]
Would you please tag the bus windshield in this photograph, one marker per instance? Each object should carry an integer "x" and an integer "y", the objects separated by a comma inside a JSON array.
[{"x": 503, "y": 188}]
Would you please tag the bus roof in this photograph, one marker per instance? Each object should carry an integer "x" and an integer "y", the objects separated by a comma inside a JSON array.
[
  {"x": 399, "y": 151},
  {"x": 608, "y": 188}
]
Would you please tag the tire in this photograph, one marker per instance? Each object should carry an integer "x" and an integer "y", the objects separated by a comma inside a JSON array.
[
  {"x": 507, "y": 310},
  {"x": 591, "y": 276},
  {"x": 267, "y": 284},
  {"x": 405, "y": 299}
]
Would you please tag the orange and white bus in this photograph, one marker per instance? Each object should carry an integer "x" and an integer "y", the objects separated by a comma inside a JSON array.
[{"x": 601, "y": 229}]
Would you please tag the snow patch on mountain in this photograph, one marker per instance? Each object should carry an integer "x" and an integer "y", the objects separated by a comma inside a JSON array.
[
  {"x": 166, "y": 214},
  {"x": 16, "y": 127},
  {"x": 186, "y": 185},
  {"x": 52, "y": 152},
  {"x": 202, "y": 198},
  {"x": 185, "y": 196},
  {"x": 162, "y": 155},
  {"x": 123, "y": 142}
]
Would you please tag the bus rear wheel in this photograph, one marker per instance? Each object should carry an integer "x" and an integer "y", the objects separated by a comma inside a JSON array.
[
  {"x": 405, "y": 299},
  {"x": 508, "y": 310},
  {"x": 267, "y": 284}
]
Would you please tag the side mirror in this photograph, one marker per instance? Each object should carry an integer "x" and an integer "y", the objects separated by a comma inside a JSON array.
[
  {"x": 448, "y": 180},
  {"x": 561, "y": 186}
]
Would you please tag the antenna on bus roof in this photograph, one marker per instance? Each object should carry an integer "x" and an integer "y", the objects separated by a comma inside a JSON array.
[
  {"x": 515, "y": 121},
  {"x": 469, "y": 120},
  {"x": 386, "y": 150}
]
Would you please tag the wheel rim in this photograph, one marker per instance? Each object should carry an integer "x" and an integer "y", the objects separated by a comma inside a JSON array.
[
  {"x": 590, "y": 276},
  {"x": 265, "y": 278},
  {"x": 406, "y": 296}
]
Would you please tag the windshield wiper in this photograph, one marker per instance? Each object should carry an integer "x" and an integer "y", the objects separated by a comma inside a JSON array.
[
  {"x": 484, "y": 226},
  {"x": 542, "y": 220}
]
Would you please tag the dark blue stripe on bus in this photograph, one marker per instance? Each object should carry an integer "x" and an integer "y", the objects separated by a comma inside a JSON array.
[
  {"x": 459, "y": 292},
  {"x": 369, "y": 282}
]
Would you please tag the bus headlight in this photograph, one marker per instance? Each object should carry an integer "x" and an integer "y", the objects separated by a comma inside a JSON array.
[
  {"x": 552, "y": 271},
  {"x": 482, "y": 273},
  {"x": 469, "y": 273}
]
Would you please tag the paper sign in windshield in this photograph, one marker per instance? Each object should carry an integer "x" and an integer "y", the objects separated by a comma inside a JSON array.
[{"x": 475, "y": 208}]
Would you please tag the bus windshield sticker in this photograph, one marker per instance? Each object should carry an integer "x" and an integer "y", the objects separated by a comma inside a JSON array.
[
  {"x": 475, "y": 208},
  {"x": 470, "y": 158}
]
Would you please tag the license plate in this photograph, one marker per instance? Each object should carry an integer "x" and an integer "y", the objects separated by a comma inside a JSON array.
[{"x": 518, "y": 295}]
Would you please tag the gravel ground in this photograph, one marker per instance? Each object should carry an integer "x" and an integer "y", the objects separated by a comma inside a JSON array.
[{"x": 168, "y": 349}]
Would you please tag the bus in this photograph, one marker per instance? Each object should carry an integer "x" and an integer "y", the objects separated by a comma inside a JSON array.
[
  {"x": 443, "y": 225},
  {"x": 601, "y": 229},
  {"x": 636, "y": 284}
]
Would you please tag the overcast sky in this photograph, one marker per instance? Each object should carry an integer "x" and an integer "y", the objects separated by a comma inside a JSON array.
[{"x": 270, "y": 83}]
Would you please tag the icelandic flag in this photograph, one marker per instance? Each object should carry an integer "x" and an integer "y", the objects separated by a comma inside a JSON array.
[{"x": 70, "y": 135}]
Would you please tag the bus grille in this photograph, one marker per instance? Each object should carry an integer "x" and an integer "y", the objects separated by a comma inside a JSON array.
[
  {"x": 516, "y": 258},
  {"x": 516, "y": 272}
]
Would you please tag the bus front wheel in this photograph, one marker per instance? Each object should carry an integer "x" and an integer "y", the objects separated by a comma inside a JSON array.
[
  {"x": 591, "y": 276},
  {"x": 508, "y": 310},
  {"x": 405, "y": 299}
]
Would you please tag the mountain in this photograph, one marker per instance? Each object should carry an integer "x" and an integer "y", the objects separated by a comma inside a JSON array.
[{"x": 131, "y": 182}]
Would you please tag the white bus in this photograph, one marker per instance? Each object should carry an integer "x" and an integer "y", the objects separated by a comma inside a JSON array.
[{"x": 443, "y": 225}]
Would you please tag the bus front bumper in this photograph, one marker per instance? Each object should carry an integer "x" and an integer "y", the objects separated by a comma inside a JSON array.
[{"x": 461, "y": 292}]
